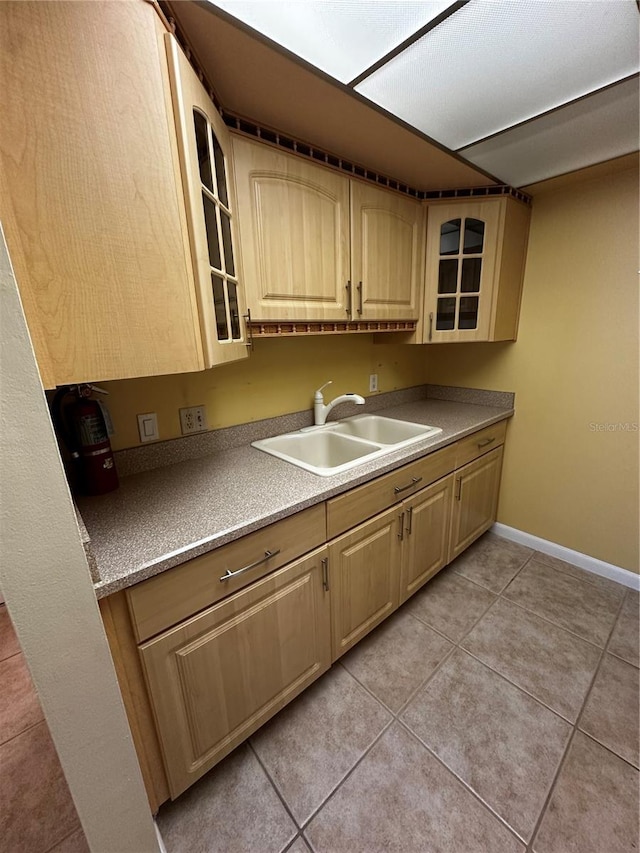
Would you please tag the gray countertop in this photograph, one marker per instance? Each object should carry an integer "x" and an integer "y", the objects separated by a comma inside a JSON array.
[{"x": 161, "y": 518}]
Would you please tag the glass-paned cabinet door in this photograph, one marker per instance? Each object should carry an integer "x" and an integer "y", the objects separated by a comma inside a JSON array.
[
  {"x": 207, "y": 176},
  {"x": 461, "y": 247}
]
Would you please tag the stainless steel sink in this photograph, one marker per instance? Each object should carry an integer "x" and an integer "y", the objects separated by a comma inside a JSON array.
[{"x": 342, "y": 445}]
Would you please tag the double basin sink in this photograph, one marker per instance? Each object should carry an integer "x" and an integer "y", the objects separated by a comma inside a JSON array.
[{"x": 342, "y": 445}]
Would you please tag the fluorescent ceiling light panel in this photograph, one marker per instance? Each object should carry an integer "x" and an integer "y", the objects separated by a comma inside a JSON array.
[
  {"x": 340, "y": 37},
  {"x": 598, "y": 128},
  {"x": 494, "y": 64}
]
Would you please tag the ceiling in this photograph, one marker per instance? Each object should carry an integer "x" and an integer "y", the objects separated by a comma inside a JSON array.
[{"x": 434, "y": 93}]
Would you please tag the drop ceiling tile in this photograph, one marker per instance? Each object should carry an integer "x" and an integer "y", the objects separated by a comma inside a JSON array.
[
  {"x": 593, "y": 130},
  {"x": 494, "y": 64},
  {"x": 341, "y": 37}
]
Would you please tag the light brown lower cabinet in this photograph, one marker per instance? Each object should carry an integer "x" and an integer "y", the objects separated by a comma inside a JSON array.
[
  {"x": 379, "y": 564},
  {"x": 475, "y": 503},
  {"x": 426, "y": 535},
  {"x": 364, "y": 567},
  {"x": 214, "y": 679}
]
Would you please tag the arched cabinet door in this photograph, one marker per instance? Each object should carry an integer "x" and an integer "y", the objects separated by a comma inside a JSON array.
[
  {"x": 387, "y": 239},
  {"x": 475, "y": 258},
  {"x": 294, "y": 226},
  {"x": 206, "y": 167}
]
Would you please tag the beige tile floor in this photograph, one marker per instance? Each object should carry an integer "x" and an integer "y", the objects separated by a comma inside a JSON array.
[{"x": 496, "y": 711}]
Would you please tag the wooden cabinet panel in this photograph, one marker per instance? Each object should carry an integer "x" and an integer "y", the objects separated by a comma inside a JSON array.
[
  {"x": 426, "y": 535},
  {"x": 88, "y": 154},
  {"x": 217, "y": 677},
  {"x": 294, "y": 228},
  {"x": 475, "y": 501},
  {"x": 354, "y": 506},
  {"x": 387, "y": 248},
  {"x": 207, "y": 178},
  {"x": 475, "y": 258},
  {"x": 364, "y": 571},
  {"x": 178, "y": 593},
  {"x": 473, "y": 446}
]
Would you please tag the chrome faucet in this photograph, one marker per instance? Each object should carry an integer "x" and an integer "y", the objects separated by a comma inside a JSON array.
[{"x": 320, "y": 411}]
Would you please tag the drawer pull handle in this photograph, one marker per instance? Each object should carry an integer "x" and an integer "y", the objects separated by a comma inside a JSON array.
[
  {"x": 267, "y": 556},
  {"x": 325, "y": 573},
  {"x": 398, "y": 489},
  {"x": 486, "y": 441}
]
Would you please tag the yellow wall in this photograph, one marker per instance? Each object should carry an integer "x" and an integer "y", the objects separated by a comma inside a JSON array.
[
  {"x": 575, "y": 364},
  {"x": 280, "y": 377}
]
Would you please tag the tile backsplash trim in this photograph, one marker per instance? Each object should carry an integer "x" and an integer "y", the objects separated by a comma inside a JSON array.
[{"x": 134, "y": 460}]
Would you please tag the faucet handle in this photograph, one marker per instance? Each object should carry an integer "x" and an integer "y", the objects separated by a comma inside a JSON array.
[{"x": 318, "y": 394}]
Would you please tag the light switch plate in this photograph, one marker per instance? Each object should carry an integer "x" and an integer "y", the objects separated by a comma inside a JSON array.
[
  {"x": 148, "y": 427},
  {"x": 193, "y": 419},
  {"x": 373, "y": 382}
]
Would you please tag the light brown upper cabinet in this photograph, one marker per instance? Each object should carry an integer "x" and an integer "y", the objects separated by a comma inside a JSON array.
[
  {"x": 91, "y": 198},
  {"x": 475, "y": 259},
  {"x": 387, "y": 248},
  {"x": 209, "y": 189},
  {"x": 294, "y": 227},
  {"x": 319, "y": 247}
]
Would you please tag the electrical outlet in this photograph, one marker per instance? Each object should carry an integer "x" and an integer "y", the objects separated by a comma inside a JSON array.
[
  {"x": 373, "y": 382},
  {"x": 193, "y": 419}
]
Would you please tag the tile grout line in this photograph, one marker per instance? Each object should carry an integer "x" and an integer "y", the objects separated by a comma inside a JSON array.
[
  {"x": 416, "y": 690},
  {"x": 24, "y": 731},
  {"x": 517, "y": 686},
  {"x": 486, "y": 588},
  {"x": 494, "y": 814},
  {"x": 555, "y": 624},
  {"x": 66, "y": 837},
  {"x": 278, "y": 794},
  {"x": 339, "y": 785},
  {"x": 572, "y": 737},
  {"x": 608, "y": 582}
]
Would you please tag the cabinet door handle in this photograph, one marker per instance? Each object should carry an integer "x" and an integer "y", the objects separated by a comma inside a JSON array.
[
  {"x": 267, "y": 556},
  {"x": 409, "y": 520},
  {"x": 431, "y": 326},
  {"x": 401, "y": 526},
  {"x": 486, "y": 441},
  {"x": 348, "y": 289},
  {"x": 398, "y": 489},
  {"x": 359, "y": 289},
  {"x": 325, "y": 573},
  {"x": 247, "y": 319},
  {"x": 458, "y": 488}
]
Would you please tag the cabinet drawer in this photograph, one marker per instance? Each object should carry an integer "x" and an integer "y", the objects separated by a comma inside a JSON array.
[
  {"x": 178, "y": 593},
  {"x": 347, "y": 510},
  {"x": 479, "y": 443}
]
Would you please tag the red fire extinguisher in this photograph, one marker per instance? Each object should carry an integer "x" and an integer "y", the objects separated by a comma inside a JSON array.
[{"x": 81, "y": 426}]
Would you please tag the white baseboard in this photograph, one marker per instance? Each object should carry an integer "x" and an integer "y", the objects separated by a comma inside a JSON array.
[
  {"x": 163, "y": 849},
  {"x": 583, "y": 561}
]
